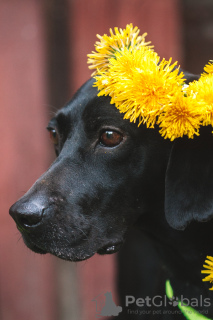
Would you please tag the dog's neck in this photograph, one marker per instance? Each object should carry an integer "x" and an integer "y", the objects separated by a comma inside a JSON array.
[{"x": 184, "y": 253}]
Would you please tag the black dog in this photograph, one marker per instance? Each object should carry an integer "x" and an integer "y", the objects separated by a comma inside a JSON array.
[{"x": 111, "y": 175}]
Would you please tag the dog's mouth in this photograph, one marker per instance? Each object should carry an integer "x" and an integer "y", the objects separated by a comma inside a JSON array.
[
  {"x": 108, "y": 249},
  {"x": 33, "y": 247},
  {"x": 60, "y": 253},
  {"x": 72, "y": 253}
]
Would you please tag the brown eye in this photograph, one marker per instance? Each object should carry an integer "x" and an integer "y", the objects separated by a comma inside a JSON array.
[
  {"x": 53, "y": 136},
  {"x": 110, "y": 138}
]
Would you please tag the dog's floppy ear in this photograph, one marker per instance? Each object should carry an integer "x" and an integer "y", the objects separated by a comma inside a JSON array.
[{"x": 189, "y": 180}]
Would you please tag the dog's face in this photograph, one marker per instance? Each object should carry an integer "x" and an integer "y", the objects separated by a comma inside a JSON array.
[
  {"x": 109, "y": 174},
  {"x": 99, "y": 184}
]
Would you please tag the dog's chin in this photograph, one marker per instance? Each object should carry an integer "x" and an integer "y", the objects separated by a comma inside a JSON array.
[
  {"x": 34, "y": 248},
  {"x": 74, "y": 254}
]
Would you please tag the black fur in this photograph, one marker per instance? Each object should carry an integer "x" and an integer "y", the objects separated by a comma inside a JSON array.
[{"x": 92, "y": 196}]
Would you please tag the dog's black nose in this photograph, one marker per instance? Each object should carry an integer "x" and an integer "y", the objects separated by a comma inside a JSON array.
[{"x": 26, "y": 214}]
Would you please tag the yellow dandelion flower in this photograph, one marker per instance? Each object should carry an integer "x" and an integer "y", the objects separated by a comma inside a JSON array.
[
  {"x": 139, "y": 84},
  {"x": 183, "y": 116},
  {"x": 109, "y": 45},
  {"x": 203, "y": 90},
  {"x": 209, "y": 271},
  {"x": 208, "y": 68},
  {"x": 122, "y": 66}
]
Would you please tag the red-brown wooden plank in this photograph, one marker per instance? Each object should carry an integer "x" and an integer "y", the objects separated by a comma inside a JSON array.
[{"x": 27, "y": 289}]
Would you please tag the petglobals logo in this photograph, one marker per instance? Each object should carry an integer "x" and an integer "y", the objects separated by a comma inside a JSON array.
[
  {"x": 166, "y": 304},
  {"x": 163, "y": 301}
]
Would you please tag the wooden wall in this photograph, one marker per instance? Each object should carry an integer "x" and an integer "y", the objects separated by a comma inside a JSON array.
[{"x": 27, "y": 289}]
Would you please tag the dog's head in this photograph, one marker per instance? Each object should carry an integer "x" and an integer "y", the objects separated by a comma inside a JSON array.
[{"x": 108, "y": 172}]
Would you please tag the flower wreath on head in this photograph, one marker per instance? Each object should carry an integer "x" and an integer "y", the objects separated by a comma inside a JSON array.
[
  {"x": 151, "y": 90},
  {"x": 148, "y": 89}
]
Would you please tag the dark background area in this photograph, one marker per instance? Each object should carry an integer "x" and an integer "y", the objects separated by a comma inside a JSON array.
[{"x": 197, "y": 19}]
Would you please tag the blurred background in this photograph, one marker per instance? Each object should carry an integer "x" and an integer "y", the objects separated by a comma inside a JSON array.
[{"x": 43, "y": 48}]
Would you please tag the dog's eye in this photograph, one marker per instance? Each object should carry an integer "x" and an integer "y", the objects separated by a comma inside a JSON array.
[
  {"x": 53, "y": 136},
  {"x": 110, "y": 138}
]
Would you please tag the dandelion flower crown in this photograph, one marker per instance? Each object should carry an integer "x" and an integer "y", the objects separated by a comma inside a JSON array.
[{"x": 148, "y": 89}]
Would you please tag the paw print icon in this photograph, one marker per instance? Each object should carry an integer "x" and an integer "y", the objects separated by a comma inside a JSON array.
[{"x": 173, "y": 301}]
